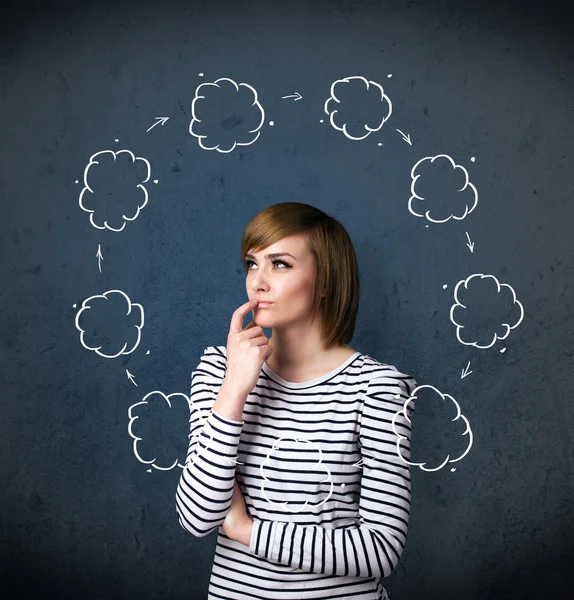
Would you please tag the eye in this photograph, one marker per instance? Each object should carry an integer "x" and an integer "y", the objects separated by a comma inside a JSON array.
[{"x": 250, "y": 262}]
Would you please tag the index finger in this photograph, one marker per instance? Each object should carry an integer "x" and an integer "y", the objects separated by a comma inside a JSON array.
[{"x": 239, "y": 314}]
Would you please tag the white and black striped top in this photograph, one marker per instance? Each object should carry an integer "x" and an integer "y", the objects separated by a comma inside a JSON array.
[{"x": 319, "y": 467}]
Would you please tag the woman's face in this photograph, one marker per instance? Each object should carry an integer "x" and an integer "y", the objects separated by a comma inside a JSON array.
[{"x": 286, "y": 281}]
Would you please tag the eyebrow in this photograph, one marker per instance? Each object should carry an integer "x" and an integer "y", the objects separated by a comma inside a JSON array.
[{"x": 273, "y": 255}]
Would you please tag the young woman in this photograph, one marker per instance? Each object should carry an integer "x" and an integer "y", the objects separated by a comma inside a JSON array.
[{"x": 292, "y": 452}]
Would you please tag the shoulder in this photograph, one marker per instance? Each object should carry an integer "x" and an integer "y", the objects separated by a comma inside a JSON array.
[
  {"x": 386, "y": 378},
  {"x": 389, "y": 391},
  {"x": 216, "y": 352},
  {"x": 212, "y": 364}
]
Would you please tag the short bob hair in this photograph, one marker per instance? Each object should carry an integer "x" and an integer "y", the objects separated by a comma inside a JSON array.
[{"x": 337, "y": 271}]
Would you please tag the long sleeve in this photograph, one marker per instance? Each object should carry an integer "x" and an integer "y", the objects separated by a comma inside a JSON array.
[
  {"x": 205, "y": 487},
  {"x": 372, "y": 547}
]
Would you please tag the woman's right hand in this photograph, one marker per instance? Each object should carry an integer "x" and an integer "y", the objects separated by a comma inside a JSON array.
[{"x": 247, "y": 349}]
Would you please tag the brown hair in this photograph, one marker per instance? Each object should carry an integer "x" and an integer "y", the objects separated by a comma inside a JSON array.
[{"x": 337, "y": 271}]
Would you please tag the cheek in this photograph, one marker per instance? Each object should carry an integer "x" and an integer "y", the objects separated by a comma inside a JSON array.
[{"x": 300, "y": 295}]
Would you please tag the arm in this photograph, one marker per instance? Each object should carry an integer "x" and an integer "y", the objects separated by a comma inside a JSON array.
[
  {"x": 373, "y": 546},
  {"x": 205, "y": 487}
]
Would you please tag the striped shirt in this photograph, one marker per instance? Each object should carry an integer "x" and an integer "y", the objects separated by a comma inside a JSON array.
[{"x": 319, "y": 467}]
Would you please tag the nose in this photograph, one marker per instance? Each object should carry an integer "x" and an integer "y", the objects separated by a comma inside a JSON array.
[{"x": 258, "y": 281}]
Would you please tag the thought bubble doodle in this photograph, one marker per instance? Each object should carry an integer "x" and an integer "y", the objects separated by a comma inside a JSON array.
[
  {"x": 157, "y": 418},
  {"x": 116, "y": 193},
  {"x": 299, "y": 466},
  {"x": 492, "y": 313},
  {"x": 460, "y": 425},
  {"x": 347, "y": 94},
  {"x": 115, "y": 314},
  {"x": 226, "y": 113},
  {"x": 441, "y": 188}
]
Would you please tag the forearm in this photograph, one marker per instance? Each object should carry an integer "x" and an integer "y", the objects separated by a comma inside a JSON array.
[
  {"x": 230, "y": 402},
  {"x": 205, "y": 487},
  {"x": 358, "y": 551}
]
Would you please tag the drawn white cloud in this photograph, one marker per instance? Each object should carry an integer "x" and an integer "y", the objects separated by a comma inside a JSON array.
[
  {"x": 98, "y": 312},
  {"x": 468, "y": 315},
  {"x": 225, "y": 114},
  {"x": 118, "y": 181},
  {"x": 314, "y": 462},
  {"x": 349, "y": 92},
  {"x": 454, "y": 198},
  {"x": 150, "y": 414},
  {"x": 459, "y": 421}
]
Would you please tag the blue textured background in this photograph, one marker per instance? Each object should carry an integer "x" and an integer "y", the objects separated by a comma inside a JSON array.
[{"x": 79, "y": 515}]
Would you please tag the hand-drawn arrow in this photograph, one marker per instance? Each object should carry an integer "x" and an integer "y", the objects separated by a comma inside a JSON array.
[
  {"x": 99, "y": 257},
  {"x": 407, "y": 138},
  {"x": 296, "y": 95},
  {"x": 162, "y": 120},
  {"x": 131, "y": 378},
  {"x": 232, "y": 460},
  {"x": 470, "y": 244},
  {"x": 465, "y": 372}
]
